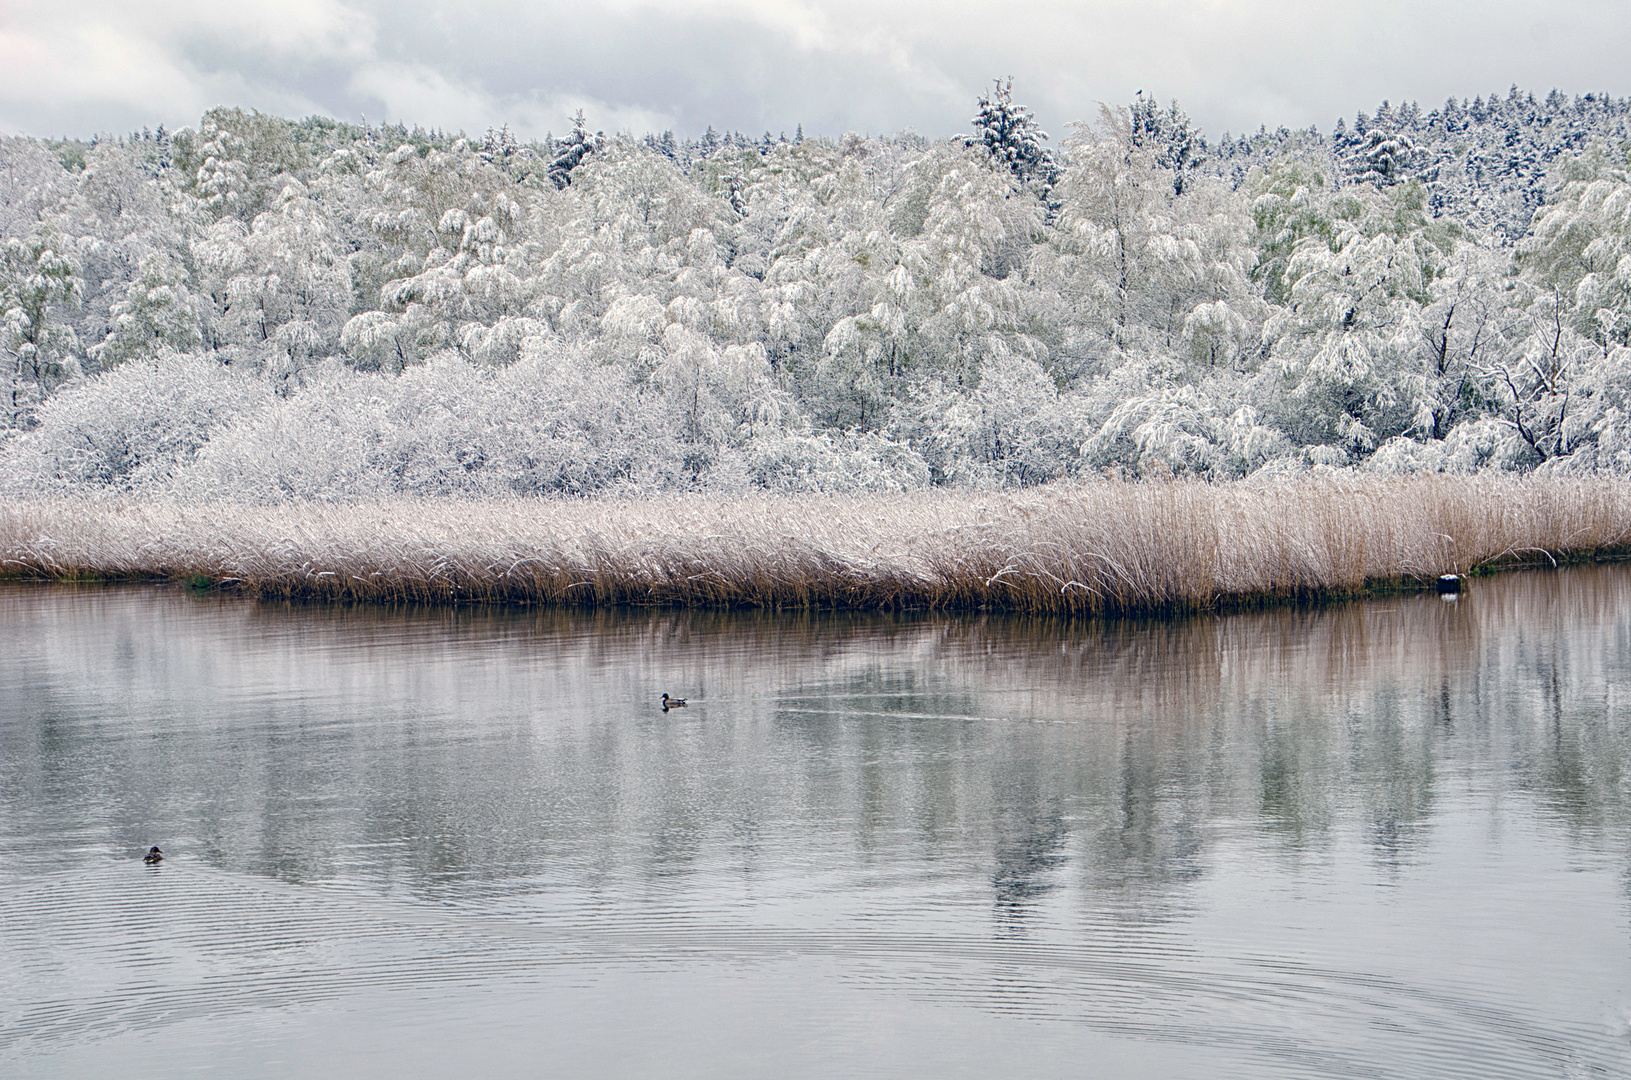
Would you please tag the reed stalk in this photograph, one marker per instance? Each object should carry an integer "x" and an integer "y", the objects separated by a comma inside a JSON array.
[{"x": 1105, "y": 548}]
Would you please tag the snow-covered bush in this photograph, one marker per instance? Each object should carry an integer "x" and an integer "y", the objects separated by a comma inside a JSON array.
[
  {"x": 549, "y": 424},
  {"x": 136, "y": 428}
]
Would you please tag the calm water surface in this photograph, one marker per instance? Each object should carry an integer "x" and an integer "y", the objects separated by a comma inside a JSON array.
[{"x": 1385, "y": 840}]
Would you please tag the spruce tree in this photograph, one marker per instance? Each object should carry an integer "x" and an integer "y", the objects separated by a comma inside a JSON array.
[
  {"x": 1171, "y": 139},
  {"x": 1010, "y": 138},
  {"x": 577, "y": 145}
]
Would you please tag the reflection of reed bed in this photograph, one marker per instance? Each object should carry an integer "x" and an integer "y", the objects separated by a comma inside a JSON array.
[{"x": 1102, "y": 548}]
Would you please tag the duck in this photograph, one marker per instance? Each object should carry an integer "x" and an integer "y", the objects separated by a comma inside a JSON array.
[
  {"x": 672, "y": 703},
  {"x": 154, "y": 855}
]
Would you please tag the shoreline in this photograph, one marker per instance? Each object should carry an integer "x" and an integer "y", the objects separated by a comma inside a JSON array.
[{"x": 1108, "y": 548}]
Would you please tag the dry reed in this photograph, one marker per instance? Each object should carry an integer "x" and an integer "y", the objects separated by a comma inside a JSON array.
[{"x": 1096, "y": 549}]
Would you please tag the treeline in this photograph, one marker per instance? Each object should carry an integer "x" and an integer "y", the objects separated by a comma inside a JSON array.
[{"x": 269, "y": 309}]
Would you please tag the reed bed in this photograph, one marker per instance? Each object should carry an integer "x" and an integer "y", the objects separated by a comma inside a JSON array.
[{"x": 1106, "y": 548}]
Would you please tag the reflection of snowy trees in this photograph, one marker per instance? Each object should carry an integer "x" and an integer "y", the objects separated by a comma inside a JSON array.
[
  {"x": 1212, "y": 742},
  {"x": 401, "y": 310}
]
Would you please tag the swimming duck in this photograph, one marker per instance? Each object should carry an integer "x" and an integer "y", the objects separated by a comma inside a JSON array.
[
  {"x": 672, "y": 703},
  {"x": 154, "y": 855}
]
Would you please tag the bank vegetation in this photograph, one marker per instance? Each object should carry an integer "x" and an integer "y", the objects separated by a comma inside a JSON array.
[{"x": 1102, "y": 548}]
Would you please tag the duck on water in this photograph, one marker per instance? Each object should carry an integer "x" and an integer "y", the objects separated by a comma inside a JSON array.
[
  {"x": 154, "y": 855},
  {"x": 672, "y": 703}
]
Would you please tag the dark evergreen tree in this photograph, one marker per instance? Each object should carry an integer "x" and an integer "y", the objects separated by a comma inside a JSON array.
[
  {"x": 496, "y": 147},
  {"x": 1170, "y": 138},
  {"x": 1009, "y": 137},
  {"x": 577, "y": 145},
  {"x": 1386, "y": 158}
]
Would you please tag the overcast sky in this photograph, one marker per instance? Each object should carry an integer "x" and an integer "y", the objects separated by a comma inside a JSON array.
[{"x": 76, "y": 67}]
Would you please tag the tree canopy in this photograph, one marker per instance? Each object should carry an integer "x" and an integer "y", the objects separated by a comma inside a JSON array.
[{"x": 270, "y": 309}]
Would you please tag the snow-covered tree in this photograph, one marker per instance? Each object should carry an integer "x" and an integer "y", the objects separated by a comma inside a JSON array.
[
  {"x": 38, "y": 277},
  {"x": 403, "y": 310},
  {"x": 137, "y": 427},
  {"x": 32, "y": 182},
  {"x": 157, "y": 313},
  {"x": 444, "y": 273},
  {"x": 281, "y": 290},
  {"x": 1010, "y": 138},
  {"x": 1580, "y": 247},
  {"x": 1384, "y": 158},
  {"x": 573, "y": 149},
  {"x": 1352, "y": 327},
  {"x": 235, "y": 161},
  {"x": 1170, "y": 138},
  {"x": 1552, "y": 385}
]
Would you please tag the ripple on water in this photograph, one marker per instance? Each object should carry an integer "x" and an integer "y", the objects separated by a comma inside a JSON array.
[{"x": 115, "y": 951}]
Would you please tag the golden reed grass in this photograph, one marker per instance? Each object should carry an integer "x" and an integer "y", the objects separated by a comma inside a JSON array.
[{"x": 1101, "y": 548}]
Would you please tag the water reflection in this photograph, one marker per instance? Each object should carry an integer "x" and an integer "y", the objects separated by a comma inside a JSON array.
[
  {"x": 450, "y": 745},
  {"x": 1137, "y": 817}
]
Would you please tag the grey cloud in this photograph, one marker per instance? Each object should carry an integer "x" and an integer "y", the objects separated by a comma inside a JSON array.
[
  {"x": 700, "y": 69},
  {"x": 832, "y": 66}
]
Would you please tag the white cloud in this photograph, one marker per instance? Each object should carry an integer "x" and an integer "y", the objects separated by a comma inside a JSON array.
[
  {"x": 421, "y": 94},
  {"x": 418, "y": 94},
  {"x": 833, "y": 65},
  {"x": 99, "y": 66}
]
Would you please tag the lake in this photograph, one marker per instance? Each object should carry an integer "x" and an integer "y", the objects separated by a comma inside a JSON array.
[{"x": 1382, "y": 839}]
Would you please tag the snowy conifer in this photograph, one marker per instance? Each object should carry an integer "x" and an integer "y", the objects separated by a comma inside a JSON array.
[
  {"x": 1008, "y": 136},
  {"x": 577, "y": 145},
  {"x": 1385, "y": 157},
  {"x": 1172, "y": 141}
]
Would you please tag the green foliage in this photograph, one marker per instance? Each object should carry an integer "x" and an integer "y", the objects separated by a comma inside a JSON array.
[
  {"x": 156, "y": 314},
  {"x": 1580, "y": 245},
  {"x": 235, "y": 158},
  {"x": 38, "y": 273},
  {"x": 71, "y": 152}
]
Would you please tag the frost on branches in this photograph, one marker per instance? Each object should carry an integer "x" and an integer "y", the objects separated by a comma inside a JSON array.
[{"x": 269, "y": 310}]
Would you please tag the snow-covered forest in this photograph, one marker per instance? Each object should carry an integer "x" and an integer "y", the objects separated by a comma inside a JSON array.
[{"x": 268, "y": 310}]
